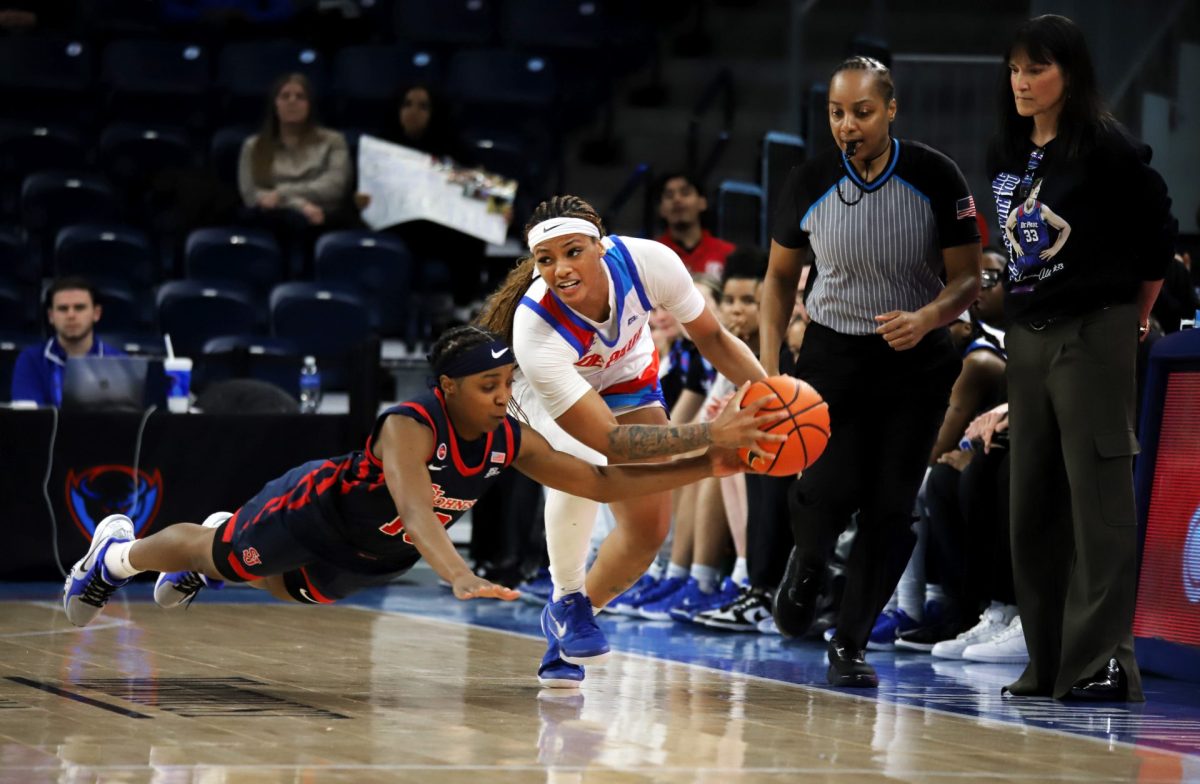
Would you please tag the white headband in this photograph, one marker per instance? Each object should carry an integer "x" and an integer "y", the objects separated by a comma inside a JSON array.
[{"x": 560, "y": 227}]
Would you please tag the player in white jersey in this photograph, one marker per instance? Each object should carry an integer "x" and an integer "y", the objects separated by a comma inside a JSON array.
[{"x": 575, "y": 313}]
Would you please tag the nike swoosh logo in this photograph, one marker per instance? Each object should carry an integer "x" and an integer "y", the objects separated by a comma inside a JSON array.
[
  {"x": 304, "y": 593},
  {"x": 500, "y": 353},
  {"x": 559, "y": 628},
  {"x": 552, "y": 228},
  {"x": 435, "y": 468}
]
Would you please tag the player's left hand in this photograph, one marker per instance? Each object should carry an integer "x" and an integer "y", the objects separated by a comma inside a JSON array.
[
  {"x": 902, "y": 329},
  {"x": 725, "y": 462},
  {"x": 472, "y": 586}
]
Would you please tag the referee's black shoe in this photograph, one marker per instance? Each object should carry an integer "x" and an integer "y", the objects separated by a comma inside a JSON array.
[
  {"x": 795, "y": 601},
  {"x": 848, "y": 667}
]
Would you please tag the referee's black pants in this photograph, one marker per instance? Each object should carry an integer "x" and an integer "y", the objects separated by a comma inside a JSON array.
[{"x": 885, "y": 407}]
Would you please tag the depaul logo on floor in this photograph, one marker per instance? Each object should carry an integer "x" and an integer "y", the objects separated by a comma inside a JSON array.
[
  {"x": 1191, "y": 560},
  {"x": 100, "y": 491}
]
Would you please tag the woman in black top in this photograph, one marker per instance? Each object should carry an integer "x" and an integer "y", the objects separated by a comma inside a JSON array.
[
  {"x": 1091, "y": 222},
  {"x": 886, "y": 220}
]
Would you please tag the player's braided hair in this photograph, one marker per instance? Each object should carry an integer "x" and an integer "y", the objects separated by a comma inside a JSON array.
[
  {"x": 882, "y": 74},
  {"x": 498, "y": 313},
  {"x": 458, "y": 340}
]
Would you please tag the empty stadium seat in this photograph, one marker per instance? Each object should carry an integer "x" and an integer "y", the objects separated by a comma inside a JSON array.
[
  {"x": 141, "y": 343},
  {"x": 225, "y": 151},
  {"x": 108, "y": 251},
  {"x": 741, "y": 218},
  {"x": 241, "y": 255},
  {"x": 367, "y": 81},
  {"x": 157, "y": 81},
  {"x": 53, "y": 199},
  {"x": 488, "y": 80},
  {"x": 18, "y": 310},
  {"x": 448, "y": 22},
  {"x": 132, "y": 154},
  {"x": 192, "y": 312},
  {"x": 380, "y": 265},
  {"x": 326, "y": 322},
  {"x": 29, "y": 147},
  {"x": 46, "y": 78},
  {"x": 122, "y": 307},
  {"x": 18, "y": 264}
]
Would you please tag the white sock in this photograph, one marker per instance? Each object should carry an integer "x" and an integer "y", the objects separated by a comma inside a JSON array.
[
  {"x": 706, "y": 576},
  {"x": 934, "y": 593},
  {"x": 656, "y": 570},
  {"x": 116, "y": 561},
  {"x": 675, "y": 570},
  {"x": 569, "y": 522},
  {"x": 741, "y": 573}
]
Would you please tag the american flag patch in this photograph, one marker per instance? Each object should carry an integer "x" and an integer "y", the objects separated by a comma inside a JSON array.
[
  {"x": 965, "y": 208},
  {"x": 497, "y": 457}
]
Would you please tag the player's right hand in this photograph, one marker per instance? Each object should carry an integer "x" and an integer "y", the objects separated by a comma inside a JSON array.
[
  {"x": 743, "y": 427},
  {"x": 472, "y": 586}
]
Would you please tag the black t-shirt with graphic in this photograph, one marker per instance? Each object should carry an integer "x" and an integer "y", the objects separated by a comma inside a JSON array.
[{"x": 1081, "y": 233}]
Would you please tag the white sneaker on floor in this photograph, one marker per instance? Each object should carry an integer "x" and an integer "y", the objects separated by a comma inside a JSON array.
[
  {"x": 1007, "y": 647},
  {"x": 992, "y": 622}
]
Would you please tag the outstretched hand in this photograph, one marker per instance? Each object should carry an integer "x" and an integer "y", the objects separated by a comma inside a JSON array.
[
  {"x": 472, "y": 586},
  {"x": 987, "y": 425},
  {"x": 746, "y": 427}
]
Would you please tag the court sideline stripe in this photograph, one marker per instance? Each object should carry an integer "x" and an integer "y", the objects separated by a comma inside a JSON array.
[{"x": 70, "y": 695}]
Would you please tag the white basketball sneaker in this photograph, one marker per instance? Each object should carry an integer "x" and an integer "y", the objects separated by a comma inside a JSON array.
[
  {"x": 994, "y": 620},
  {"x": 89, "y": 585},
  {"x": 1007, "y": 647}
]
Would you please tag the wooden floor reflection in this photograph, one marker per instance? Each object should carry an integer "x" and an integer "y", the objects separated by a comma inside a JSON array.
[{"x": 225, "y": 694}]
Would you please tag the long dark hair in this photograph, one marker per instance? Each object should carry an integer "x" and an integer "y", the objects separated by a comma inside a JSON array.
[
  {"x": 262, "y": 156},
  {"x": 440, "y": 136},
  {"x": 498, "y": 313},
  {"x": 1053, "y": 39}
]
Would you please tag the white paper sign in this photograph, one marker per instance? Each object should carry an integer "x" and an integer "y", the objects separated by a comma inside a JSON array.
[{"x": 406, "y": 185}]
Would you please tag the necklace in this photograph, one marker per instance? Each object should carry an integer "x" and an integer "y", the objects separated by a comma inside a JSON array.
[{"x": 861, "y": 192}]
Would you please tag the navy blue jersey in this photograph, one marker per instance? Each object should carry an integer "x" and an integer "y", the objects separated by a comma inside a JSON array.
[{"x": 340, "y": 508}]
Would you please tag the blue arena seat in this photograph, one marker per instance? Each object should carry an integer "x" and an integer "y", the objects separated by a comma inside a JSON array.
[
  {"x": 192, "y": 312},
  {"x": 18, "y": 310},
  {"x": 379, "y": 264},
  {"x": 499, "y": 79},
  {"x": 367, "y": 80},
  {"x": 53, "y": 199},
  {"x": 225, "y": 151},
  {"x": 112, "y": 251},
  {"x": 28, "y": 147},
  {"x": 141, "y": 343},
  {"x": 741, "y": 216},
  {"x": 46, "y": 78},
  {"x": 246, "y": 71},
  {"x": 327, "y": 322},
  {"x": 18, "y": 264},
  {"x": 446, "y": 22},
  {"x": 243, "y": 255},
  {"x": 274, "y": 360},
  {"x": 131, "y": 154},
  {"x": 157, "y": 81},
  {"x": 124, "y": 308}
]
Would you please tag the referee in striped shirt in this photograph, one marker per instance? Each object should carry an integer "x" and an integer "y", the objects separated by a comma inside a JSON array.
[{"x": 888, "y": 221}]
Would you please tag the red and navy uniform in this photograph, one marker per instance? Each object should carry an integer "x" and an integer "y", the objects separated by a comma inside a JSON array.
[{"x": 330, "y": 526}]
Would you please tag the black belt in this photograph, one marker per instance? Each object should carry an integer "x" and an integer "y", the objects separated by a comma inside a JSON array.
[{"x": 1038, "y": 326}]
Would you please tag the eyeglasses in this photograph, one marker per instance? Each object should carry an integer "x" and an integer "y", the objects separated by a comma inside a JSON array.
[{"x": 990, "y": 278}]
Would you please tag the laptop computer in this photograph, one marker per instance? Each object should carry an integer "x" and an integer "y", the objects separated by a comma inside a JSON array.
[{"x": 106, "y": 383}]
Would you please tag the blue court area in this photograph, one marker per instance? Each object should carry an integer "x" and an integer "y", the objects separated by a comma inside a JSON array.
[{"x": 1168, "y": 721}]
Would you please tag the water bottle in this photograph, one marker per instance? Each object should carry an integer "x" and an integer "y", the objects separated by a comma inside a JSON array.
[{"x": 310, "y": 386}]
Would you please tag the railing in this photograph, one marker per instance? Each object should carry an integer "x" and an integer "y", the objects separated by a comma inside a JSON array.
[{"x": 639, "y": 179}]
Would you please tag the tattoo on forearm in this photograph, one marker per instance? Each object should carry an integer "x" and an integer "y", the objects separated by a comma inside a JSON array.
[{"x": 634, "y": 442}]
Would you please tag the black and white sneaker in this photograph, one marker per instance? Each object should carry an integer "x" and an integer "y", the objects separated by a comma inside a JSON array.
[{"x": 744, "y": 614}]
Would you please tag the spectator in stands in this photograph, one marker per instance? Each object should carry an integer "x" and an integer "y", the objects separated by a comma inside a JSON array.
[
  {"x": 293, "y": 165},
  {"x": 73, "y": 311},
  {"x": 1071, "y": 360},
  {"x": 1178, "y": 299},
  {"x": 422, "y": 122},
  {"x": 681, "y": 202}
]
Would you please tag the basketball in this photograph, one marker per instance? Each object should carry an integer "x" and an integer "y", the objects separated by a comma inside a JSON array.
[{"x": 807, "y": 429}]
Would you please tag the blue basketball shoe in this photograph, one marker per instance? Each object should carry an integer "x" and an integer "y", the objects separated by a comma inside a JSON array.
[
  {"x": 572, "y": 623},
  {"x": 89, "y": 585},
  {"x": 629, "y": 601},
  {"x": 175, "y": 589},
  {"x": 692, "y": 601},
  {"x": 554, "y": 672}
]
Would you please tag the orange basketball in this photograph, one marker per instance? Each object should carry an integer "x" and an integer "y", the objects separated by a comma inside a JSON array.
[{"x": 807, "y": 429}]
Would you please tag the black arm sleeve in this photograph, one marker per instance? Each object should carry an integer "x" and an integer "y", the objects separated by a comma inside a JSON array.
[{"x": 793, "y": 203}]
